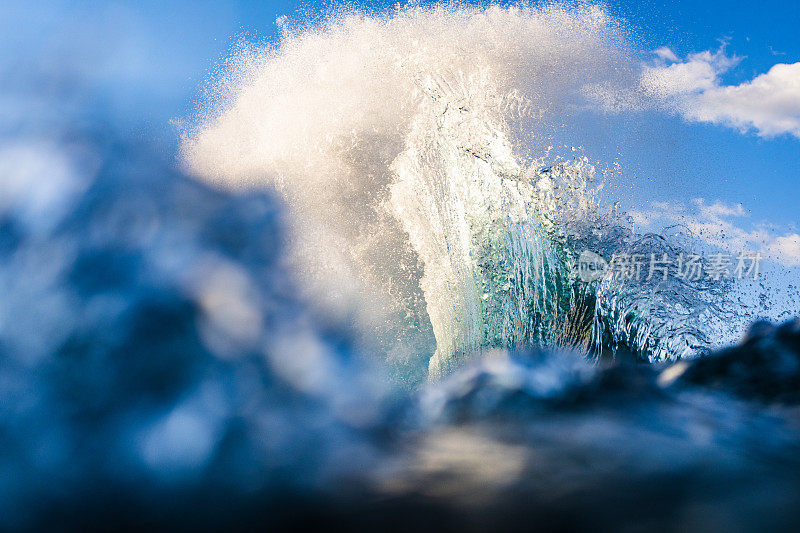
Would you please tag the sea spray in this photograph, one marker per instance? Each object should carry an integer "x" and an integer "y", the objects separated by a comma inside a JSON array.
[{"x": 418, "y": 209}]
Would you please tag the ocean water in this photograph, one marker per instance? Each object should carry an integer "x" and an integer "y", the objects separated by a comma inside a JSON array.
[
  {"x": 410, "y": 150},
  {"x": 354, "y": 299}
]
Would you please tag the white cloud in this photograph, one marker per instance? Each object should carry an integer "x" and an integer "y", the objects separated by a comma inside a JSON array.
[
  {"x": 722, "y": 225},
  {"x": 718, "y": 209},
  {"x": 666, "y": 54},
  {"x": 787, "y": 246},
  {"x": 768, "y": 104}
]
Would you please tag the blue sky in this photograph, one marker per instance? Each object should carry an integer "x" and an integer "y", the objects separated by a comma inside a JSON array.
[
  {"x": 708, "y": 160},
  {"x": 144, "y": 62}
]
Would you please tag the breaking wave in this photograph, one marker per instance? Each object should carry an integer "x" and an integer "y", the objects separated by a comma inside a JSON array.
[
  {"x": 160, "y": 369},
  {"x": 425, "y": 203}
]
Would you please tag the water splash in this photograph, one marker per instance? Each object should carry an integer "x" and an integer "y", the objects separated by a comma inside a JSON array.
[{"x": 419, "y": 210}]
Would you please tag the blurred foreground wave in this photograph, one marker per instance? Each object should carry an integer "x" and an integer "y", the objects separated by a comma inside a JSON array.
[
  {"x": 157, "y": 369},
  {"x": 152, "y": 346}
]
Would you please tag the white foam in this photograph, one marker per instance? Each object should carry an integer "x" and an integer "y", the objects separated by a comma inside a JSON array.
[{"x": 389, "y": 137}]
